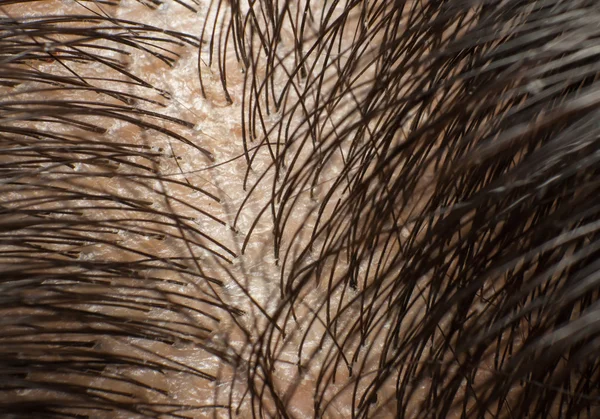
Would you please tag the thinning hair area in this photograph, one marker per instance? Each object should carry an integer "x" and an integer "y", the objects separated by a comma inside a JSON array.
[{"x": 299, "y": 209}]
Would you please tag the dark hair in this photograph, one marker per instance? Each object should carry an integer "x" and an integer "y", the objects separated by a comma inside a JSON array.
[{"x": 429, "y": 185}]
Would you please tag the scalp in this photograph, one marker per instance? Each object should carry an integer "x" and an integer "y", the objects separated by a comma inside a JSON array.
[{"x": 335, "y": 209}]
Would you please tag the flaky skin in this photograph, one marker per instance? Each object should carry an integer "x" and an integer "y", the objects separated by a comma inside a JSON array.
[{"x": 427, "y": 171}]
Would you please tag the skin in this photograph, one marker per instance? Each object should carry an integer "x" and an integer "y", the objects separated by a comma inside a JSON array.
[{"x": 370, "y": 209}]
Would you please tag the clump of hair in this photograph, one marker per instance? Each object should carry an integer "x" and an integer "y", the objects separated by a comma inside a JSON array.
[
  {"x": 97, "y": 259},
  {"x": 450, "y": 153}
]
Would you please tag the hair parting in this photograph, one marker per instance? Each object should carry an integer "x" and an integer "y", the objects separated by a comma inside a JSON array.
[{"x": 380, "y": 208}]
